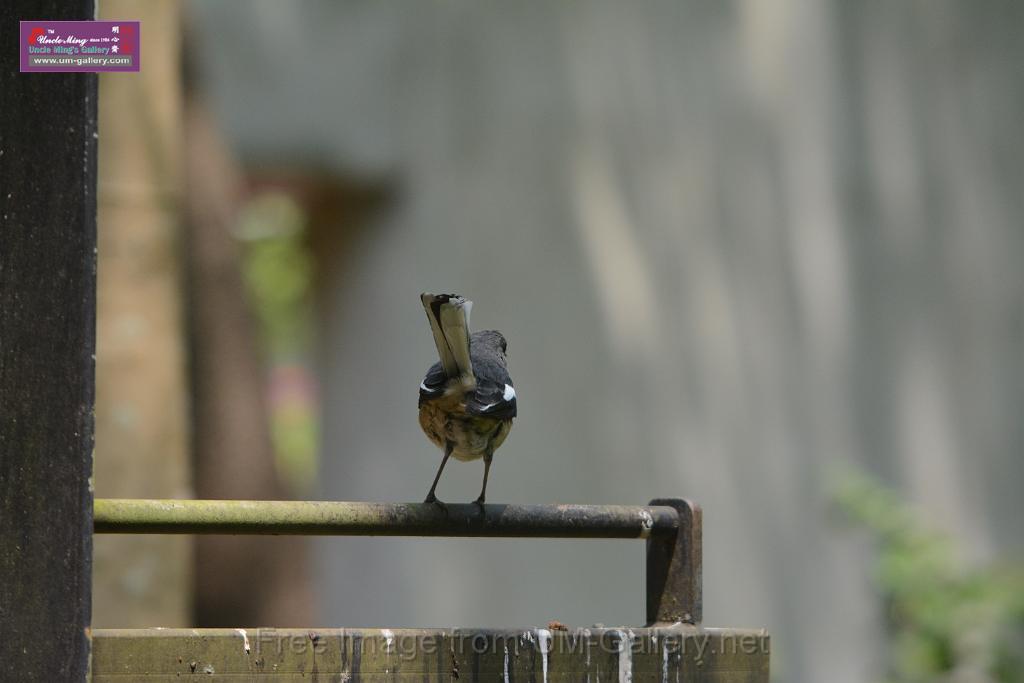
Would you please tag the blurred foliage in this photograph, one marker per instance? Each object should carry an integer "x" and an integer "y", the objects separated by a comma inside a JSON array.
[
  {"x": 945, "y": 622},
  {"x": 278, "y": 272},
  {"x": 295, "y": 432}
]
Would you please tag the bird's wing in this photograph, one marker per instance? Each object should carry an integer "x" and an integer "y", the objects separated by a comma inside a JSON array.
[
  {"x": 433, "y": 385},
  {"x": 492, "y": 398}
]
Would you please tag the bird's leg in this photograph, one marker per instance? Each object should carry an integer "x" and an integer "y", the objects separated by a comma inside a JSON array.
[
  {"x": 431, "y": 498},
  {"x": 483, "y": 491}
]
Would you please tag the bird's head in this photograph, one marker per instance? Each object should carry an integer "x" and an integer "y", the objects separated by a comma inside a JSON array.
[{"x": 491, "y": 339}]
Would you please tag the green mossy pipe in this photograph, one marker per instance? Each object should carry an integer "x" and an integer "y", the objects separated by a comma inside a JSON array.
[{"x": 133, "y": 516}]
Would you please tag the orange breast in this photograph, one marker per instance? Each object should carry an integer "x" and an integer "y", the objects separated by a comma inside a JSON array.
[{"x": 445, "y": 421}]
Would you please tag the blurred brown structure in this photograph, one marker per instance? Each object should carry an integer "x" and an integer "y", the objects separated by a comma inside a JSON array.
[
  {"x": 142, "y": 396},
  {"x": 241, "y": 580},
  {"x": 180, "y": 383}
]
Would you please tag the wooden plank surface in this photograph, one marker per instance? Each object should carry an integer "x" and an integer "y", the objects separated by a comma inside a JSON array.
[
  {"x": 675, "y": 654},
  {"x": 47, "y": 319}
]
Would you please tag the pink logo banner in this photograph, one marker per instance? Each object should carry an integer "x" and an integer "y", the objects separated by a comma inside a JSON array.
[{"x": 79, "y": 46}]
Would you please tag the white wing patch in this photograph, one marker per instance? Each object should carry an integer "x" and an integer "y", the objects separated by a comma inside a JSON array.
[{"x": 508, "y": 396}]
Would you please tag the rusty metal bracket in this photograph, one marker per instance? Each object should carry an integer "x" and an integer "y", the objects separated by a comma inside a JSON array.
[
  {"x": 671, "y": 527},
  {"x": 674, "y": 568}
]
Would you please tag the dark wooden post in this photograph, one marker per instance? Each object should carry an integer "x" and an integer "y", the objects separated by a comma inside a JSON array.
[{"x": 47, "y": 321}]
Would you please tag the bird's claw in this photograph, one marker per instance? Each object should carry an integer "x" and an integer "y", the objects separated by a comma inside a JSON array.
[
  {"x": 432, "y": 500},
  {"x": 479, "y": 502}
]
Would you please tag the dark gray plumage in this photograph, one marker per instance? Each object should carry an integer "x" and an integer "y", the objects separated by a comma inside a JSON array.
[{"x": 467, "y": 400}]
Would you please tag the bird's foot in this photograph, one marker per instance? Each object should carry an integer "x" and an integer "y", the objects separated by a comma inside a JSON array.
[
  {"x": 479, "y": 502},
  {"x": 432, "y": 500}
]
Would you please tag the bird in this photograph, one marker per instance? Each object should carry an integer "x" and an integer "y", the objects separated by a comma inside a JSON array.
[{"x": 467, "y": 400}]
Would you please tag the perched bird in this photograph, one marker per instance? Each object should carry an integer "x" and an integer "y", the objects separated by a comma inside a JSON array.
[{"x": 467, "y": 400}]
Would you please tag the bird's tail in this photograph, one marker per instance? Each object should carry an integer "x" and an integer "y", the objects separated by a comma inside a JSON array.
[{"x": 449, "y": 321}]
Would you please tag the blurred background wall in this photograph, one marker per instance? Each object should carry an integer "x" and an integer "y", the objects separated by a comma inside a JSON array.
[
  {"x": 735, "y": 247},
  {"x": 143, "y": 395}
]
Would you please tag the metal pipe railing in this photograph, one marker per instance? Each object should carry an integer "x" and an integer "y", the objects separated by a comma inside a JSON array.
[
  {"x": 127, "y": 516},
  {"x": 671, "y": 527}
]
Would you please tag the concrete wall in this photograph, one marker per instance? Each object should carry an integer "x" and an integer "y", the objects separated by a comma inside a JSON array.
[{"x": 732, "y": 245}]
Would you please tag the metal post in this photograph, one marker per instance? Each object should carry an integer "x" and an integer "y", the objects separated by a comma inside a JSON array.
[{"x": 674, "y": 568}]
